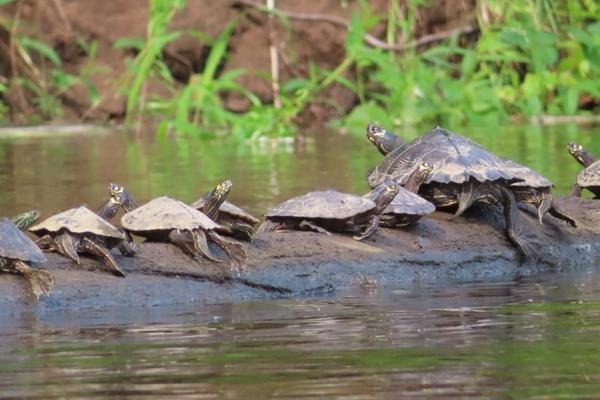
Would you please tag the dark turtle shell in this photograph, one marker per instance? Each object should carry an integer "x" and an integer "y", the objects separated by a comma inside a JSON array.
[
  {"x": 166, "y": 213},
  {"x": 327, "y": 204},
  {"x": 408, "y": 203},
  {"x": 230, "y": 210},
  {"x": 589, "y": 176},
  {"x": 15, "y": 245},
  {"x": 455, "y": 159},
  {"x": 78, "y": 220},
  {"x": 530, "y": 177}
]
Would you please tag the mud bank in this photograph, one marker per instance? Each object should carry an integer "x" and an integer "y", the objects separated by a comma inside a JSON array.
[{"x": 436, "y": 250}]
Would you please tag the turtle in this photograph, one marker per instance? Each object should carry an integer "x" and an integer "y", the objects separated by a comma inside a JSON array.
[
  {"x": 384, "y": 140},
  {"x": 407, "y": 207},
  {"x": 330, "y": 210},
  {"x": 16, "y": 250},
  {"x": 234, "y": 221},
  {"x": 463, "y": 173},
  {"x": 589, "y": 177},
  {"x": 165, "y": 219},
  {"x": 80, "y": 231},
  {"x": 534, "y": 189}
]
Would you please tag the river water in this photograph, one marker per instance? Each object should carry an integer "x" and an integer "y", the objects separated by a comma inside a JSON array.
[{"x": 536, "y": 337}]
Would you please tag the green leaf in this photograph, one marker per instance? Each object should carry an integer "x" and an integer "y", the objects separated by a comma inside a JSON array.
[
  {"x": 129, "y": 43},
  {"x": 41, "y": 47}
]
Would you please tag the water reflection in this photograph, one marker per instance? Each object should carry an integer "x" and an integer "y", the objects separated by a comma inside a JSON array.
[
  {"x": 536, "y": 337},
  {"x": 60, "y": 171}
]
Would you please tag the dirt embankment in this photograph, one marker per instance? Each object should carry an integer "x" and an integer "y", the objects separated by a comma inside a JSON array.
[
  {"x": 436, "y": 250},
  {"x": 316, "y": 33}
]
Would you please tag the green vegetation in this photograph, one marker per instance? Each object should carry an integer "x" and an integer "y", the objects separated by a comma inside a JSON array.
[{"x": 520, "y": 59}]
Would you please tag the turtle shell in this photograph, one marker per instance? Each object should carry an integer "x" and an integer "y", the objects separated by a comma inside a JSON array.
[
  {"x": 590, "y": 176},
  {"x": 326, "y": 204},
  {"x": 531, "y": 178},
  {"x": 230, "y": 210},
  {"x": 15, "y": 245},
  {"x": 455, "y": 159},
  {"x": 165, "y": 213},
  {"x": 77, "y": 220},
  {"x": 408, "y": 203}
]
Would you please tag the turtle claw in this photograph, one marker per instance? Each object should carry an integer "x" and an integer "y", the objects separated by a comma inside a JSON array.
[
  {"x": 234, "y": 249},
  {"x": 41, "y": 281}
]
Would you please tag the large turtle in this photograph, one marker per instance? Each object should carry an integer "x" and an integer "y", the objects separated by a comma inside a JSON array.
[
  {"x": 408, "y": 207},
  {"x": 168, "y": 220},
  {"x": 589, "y": 177},
  {"x": 80, "y": 231},
  {"x": 330, "y": 210},
  {"x": 534, "y": 189},
  {"x": 16, "y": 250},
  {"x": 233, "y": 220},
  {"x": 463, "y": 173}
]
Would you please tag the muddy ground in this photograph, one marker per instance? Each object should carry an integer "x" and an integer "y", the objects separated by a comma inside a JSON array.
[
  {"x": 64, "y": 24},
  {"x": 438, "y": 250}
]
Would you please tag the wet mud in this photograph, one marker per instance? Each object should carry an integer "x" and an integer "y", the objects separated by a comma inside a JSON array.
[{"x": 437, "y": 250}]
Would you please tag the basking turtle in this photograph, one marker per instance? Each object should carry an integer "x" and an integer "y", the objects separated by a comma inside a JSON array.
[
  {"x": 463, "y": 173},
  {"x": 16, "y": 250},
  {"x": 534, "y": 189},
  {"x": 234, "y": 221},
  {"x": 589, "y": 177},
  {"x": 407, "y": 207},
  {"x": 80, "y": 231},
  {"x": 385, "y": 141},
  {"x": 330, "y": 210},
  {"x": 168, "y": 220}
]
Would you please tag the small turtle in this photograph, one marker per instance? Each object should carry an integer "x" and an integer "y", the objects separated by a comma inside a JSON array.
[
  {"x": 234, "y": 221},
  {"x": 384, "y": 140},
  {"x": 407, "y": 207},
  {"x": 80, "y": 231},
  {"x": 168, "y": 220},
  {"x": 16, "y": 250},
  {"x": 589, "y": 177},
  {"x": 330, "y": 210},
  {"x": 463, "y": 173}
]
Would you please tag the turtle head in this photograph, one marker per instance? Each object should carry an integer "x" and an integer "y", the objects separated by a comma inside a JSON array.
[
  {"x": 576, "y": 151},
  {"x": 216, "y": 197},
  {"x": 419, "y": 175},
  {"x": 115, "y": 188},
  {"x": 25, "y": 220},
  {"x": 385, "y": 141},
  {"x": 383, "y": 194}
]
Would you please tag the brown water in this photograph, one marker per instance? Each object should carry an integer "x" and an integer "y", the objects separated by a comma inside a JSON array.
[{"x": 532, "y": 338}]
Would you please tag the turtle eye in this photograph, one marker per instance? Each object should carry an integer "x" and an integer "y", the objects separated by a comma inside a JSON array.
[{"x": 118, "y": 199}]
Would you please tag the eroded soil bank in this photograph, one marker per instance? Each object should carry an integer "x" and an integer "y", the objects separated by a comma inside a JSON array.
[{"x": 436, "y": 250}]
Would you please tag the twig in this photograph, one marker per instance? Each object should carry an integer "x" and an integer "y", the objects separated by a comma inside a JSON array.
[
  {"x": 274, "y": 57},
  {"x": 370, "y": 39},
  {"x": 561, "y": 119},
  {"x": 61, "y": 14}
]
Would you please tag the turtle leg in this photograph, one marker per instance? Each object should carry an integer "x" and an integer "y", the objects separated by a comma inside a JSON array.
[
  {"x": 63, "y": 243},
  {"x": 242, "y": 231},
  {"x": 556, "y": 213},
  {"x": 233, "y": 249},
  {"x": 198, "y": 237},
  {"x": 370, "y": 229},
  {"x": 269, "y": 226},
  {"x": 465, "y": 199},
  {"x": 544, "y": 206},
  {"x": 41, "y": 281},
  {"x": 45, "y": 243},
  {"x": 313, "y": 227},
  {"x": 184, "y": 241},
  {"x": 91, "y": 247},
  {"x": 576, "y": 190},
  {"x": 514, "y": 223},
  {"x": 128, "y": 247}
]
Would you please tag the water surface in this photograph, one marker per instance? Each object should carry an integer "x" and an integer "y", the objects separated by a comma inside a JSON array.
[{"x": 535, "y": 338}]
